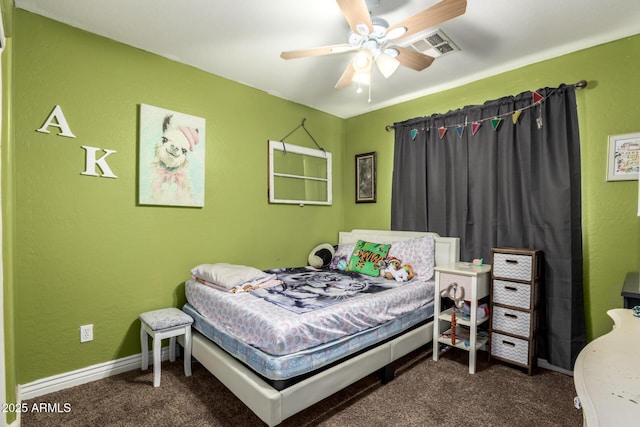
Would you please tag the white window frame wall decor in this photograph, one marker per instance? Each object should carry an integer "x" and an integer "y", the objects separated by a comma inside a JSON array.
[{"x": 310, "y": 178}]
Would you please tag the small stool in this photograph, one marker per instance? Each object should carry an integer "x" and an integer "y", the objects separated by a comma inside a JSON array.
[{"x": 161, "y": 324}]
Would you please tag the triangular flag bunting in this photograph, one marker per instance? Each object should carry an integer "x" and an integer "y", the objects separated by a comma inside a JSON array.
[
  {"x": 537, "y": 98},
  {"x": 516, "y": 116},
  {"x": 495, "y": 122},
  {"x": 414, "y": 133},
  {"x": 441, "y": 131},
  {"x": 474, "y": 127},
  {"x": 460, "y": 130}
]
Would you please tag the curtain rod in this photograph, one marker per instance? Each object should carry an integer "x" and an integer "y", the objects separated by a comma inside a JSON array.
[{"x": 580, "y": 85}]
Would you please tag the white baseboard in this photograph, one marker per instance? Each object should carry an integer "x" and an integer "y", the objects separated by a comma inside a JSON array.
[{"x": 85, "y": 375}]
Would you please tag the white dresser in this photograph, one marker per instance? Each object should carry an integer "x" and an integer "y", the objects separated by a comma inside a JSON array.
[{"x": 607, "y": 374}]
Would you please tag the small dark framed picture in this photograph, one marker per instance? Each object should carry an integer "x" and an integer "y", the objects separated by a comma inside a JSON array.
[{"x": 366, "y": 178}]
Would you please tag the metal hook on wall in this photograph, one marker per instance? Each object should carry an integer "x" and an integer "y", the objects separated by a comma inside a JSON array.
[{"x": 301, "y": 125}]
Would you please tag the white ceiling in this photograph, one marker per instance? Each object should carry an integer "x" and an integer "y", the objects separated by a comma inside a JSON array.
[{"x": 242, "y": 40}]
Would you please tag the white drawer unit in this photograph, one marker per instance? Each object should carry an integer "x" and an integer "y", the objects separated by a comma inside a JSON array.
[
  {"x": 512, "y": 266},
  {"x": 515, "y": 321},
  {"x": 516, "y": 279},
  {"x": 513, "y": 294},
  {"x": 509, "y": 348}
]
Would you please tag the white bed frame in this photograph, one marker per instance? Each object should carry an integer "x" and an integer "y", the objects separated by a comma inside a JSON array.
[{"x": 273, "y": 406}]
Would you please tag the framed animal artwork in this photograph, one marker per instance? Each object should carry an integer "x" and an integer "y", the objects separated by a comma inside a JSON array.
[
  {"x": 171, "y": 158},
  {"x": 366, "y": 178}
]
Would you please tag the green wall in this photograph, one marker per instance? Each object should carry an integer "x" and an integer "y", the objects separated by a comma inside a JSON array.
[
  {"x": 84, "y": 251},
  {"x": 608, "y": 106}
]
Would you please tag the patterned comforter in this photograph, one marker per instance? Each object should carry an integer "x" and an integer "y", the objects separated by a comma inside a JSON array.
[
  {"x": 303, "y": 289},
  {"x": 280, "y": 331}
]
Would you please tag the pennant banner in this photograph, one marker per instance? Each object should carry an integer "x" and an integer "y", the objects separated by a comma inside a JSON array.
[
  {"x": 516, "y": 116},
  {"x": 496, "y": 121},
  {"x": 537, "y": 98}
]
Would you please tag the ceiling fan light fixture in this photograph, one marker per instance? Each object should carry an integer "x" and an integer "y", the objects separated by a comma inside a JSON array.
[
  {"x": 362, "y": 61},
  {"x": 363, "y": 29},
  {"x": 380, "y": 26},
  {"x": 369, "y": 36},
  {"x": 396, "y": 33},
  {"x": 387, "y": 64},
  {"x": 391, "y": 52},
  {"x": 362, "y": 77}
]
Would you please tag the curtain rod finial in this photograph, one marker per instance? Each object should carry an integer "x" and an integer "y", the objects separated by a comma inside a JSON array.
[
  {"x": 388, "y": 128},
  {"x": 581, "y": 84}
]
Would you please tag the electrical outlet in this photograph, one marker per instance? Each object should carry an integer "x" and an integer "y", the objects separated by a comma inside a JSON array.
[{"x": 86, "y": 333}]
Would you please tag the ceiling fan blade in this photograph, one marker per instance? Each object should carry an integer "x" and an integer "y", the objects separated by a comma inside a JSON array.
[
  {"x": 357, "y": 15},
  {"x": 435, "y": 15},
  {"x": 412, "y": 59},
  {"x": 318, "y": 51},
  {"x": 347, "y": 77}
]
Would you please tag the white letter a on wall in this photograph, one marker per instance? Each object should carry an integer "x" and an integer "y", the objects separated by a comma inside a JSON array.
[{"x": 57, "y": 119}]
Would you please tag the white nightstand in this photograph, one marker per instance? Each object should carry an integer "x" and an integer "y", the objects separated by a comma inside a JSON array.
[{"x": 475, "y": 282}]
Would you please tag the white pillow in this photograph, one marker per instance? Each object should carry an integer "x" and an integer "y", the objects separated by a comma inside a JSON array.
[
  {"x": 419, "y": 252},
  {"x": 228, "y": 276}
]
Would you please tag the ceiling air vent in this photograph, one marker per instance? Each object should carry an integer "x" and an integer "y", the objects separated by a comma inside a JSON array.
[{"x": 435, "y": 44}]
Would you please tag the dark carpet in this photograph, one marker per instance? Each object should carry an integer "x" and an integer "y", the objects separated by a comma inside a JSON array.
[{"x": 423, "y": 393}]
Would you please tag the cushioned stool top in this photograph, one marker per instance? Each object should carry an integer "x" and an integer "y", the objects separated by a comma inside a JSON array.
[{"x": 165, "y": 318}]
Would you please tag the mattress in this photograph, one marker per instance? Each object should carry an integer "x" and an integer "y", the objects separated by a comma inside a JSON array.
[
  {"x": 279, "y": 344},
  {"x": 281, "y": 368}
]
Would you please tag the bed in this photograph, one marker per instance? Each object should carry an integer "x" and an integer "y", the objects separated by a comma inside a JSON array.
[{"x": 276, "y": 378}]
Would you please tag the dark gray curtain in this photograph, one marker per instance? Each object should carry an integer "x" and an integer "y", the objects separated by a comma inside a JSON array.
[{"x": 515, "y": 186}]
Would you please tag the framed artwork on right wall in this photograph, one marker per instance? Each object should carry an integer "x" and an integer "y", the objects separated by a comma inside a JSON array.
[{"x": 624, "y": 154}]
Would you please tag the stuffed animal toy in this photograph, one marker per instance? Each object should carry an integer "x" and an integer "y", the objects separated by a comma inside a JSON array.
[
  {"x": 396, "y": 271},
  {"x": 482, "y": 311},
  {"x": 343, "y": 262}
]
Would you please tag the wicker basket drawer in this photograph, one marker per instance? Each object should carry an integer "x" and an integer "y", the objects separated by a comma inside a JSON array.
[
  {"x": 513, "y": 321},
  {"x": 510, "y": 348},
  {"x": 512, "y": 293},
  {"x": 512, "y": 266}
]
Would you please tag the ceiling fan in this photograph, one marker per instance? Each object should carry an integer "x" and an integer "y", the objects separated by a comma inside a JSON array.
[{"x": 374, "y": 40}]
